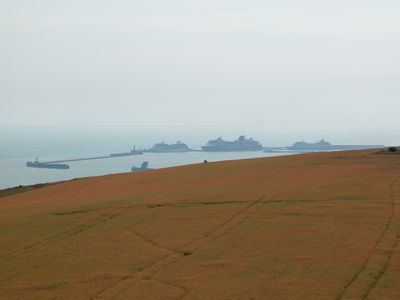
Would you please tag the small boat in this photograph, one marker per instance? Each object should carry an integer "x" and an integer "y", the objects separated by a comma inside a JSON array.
[{"x": 144, "y": 167}]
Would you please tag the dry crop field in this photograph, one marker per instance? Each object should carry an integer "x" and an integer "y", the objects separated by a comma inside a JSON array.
[{"x": 310, "y": 226}]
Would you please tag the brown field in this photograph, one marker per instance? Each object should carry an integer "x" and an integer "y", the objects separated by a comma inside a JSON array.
[{"x": 311, "y": 226}]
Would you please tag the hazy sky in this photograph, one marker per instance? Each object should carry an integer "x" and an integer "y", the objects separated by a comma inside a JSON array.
[{"x": 287, "y": 64}]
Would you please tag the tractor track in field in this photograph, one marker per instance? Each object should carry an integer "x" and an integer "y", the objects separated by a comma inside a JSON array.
[
  {"x": 395, "y": 201},
  {"x": 69, "y": 233},
  {"x": 184, "y": 289},
  {"x": 90, "y": 224},
  {"x": 383, "y": 271},
  {"x": 191, "y": 247},
  {"x": 154, "y": 244},
  {"x": 237, "y": 219},
  {"x": 161, "y": 267}
]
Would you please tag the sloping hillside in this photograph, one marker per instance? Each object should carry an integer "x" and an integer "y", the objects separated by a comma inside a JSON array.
[{"x": 312, "y": 226}]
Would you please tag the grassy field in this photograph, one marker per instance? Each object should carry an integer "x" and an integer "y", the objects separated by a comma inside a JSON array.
[
  {"x": 310, "y": 226},
  {"x": 20, "y": 189}
]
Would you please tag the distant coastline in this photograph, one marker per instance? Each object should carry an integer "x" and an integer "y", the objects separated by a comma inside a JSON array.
[{"x": 218, "y": 145}]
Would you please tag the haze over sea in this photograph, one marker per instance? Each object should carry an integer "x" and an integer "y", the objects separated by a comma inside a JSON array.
[
  {"x": 113, "y": 74},
  {"x": 19, "y": 144}
]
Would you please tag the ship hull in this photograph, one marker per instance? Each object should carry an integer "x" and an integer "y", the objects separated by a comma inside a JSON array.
[
  {"x": 46, "y": 166},
  {"x": 134, "y": 169},
  {"x": 233, "y": 149},
  {"x": 168, "y": 151},
  {"x": 126, "y": 154},
  {"x": 336, "y": 147},
  {"x": 241, "y": 144},
  {"x": 166, "y": 148}
]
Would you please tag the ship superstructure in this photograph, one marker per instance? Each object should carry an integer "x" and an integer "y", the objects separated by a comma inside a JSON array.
[
  {"x": 165, "y": 148},
  {"x": 132, "y": 152},
  {"x": 143, "y": 167},
  {"x": 241, "y": 144}
]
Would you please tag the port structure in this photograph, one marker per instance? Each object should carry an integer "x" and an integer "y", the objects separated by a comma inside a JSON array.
[
  {"x": 52, "y": 164},
  {"x": 76, "y": 159}
]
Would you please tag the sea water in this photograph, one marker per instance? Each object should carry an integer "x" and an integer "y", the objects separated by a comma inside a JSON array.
[{"x": 19, "y": 145}]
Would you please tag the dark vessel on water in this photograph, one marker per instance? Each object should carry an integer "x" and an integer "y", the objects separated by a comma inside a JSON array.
[
  {"x": 241, "y": 144},
  {"x": 132, "y": 152},
  {"x": 165, "y": 148},
  {"x": 37, "y": 164},
  {"x": 144, "y": 167}
]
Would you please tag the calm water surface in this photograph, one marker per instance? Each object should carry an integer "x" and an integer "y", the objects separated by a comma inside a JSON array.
[
  {"x": 19, "y": 146},
  {"x": 14, "y": 172}
]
